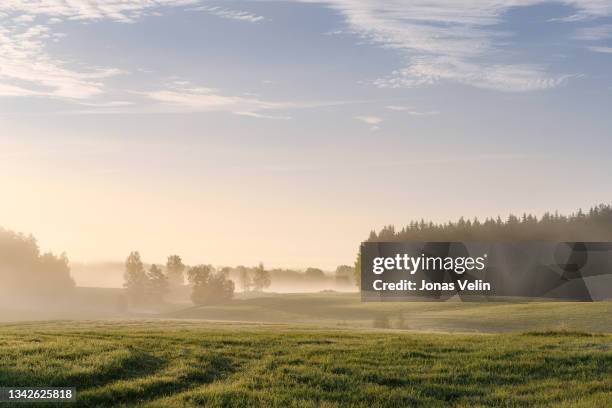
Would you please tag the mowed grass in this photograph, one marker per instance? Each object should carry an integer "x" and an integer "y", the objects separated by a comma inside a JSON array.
[{"x": 185, "y": 363}]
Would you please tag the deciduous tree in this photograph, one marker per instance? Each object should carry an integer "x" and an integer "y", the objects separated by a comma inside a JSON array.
[
  {"x": 261, "y": 278},
  {"x": 208, "y": 286}
]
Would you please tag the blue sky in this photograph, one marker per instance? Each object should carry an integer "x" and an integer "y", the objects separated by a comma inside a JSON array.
[{"x": 241, "y": 131}]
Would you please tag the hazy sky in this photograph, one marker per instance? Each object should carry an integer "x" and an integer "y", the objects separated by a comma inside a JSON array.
[{"x": 242, "y": 131}]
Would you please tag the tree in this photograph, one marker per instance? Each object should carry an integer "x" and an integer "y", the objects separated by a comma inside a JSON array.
[
  {"x": 24, "y": 271},
  {"x": 344, "y": 274},
  {"x": 245, "y": 278},
  {"x": 175, "y": 269},
  {"x": 158, "y": 284},
  {"x": 136, "y": 281},
  {"x": 58, "y": 270},
  {"x": 358, "y": 271},
  {"x": 594, "y": 225},
  {"x": 209, "y": 287},
  {"x": 314, "y": 274},
  {"x": 261, "y": 278}
]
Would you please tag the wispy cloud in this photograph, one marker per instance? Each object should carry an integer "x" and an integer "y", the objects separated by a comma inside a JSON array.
[
  {"x": 116, "y": 10},
  {"x": 373, "y": 121},
  {"x": 499, "y": 77},
  {"x": 604, "y": 50},
  {"x": 27, "y": 70},
  {"x": 596, "y": 33},
  {"x": 230, "y": 14},
  {"x": 411, "y": 111},
  {"x": 110, "y": 104},
  {"x": 183, "y": 96},
  {"x": 452, "y": 40},
  {"x": 26, "y": 26},
  {"x": 441, "y": 40}
]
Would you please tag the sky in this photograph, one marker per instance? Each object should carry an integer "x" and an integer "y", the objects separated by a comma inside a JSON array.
[{"x": 233, "y": 132}]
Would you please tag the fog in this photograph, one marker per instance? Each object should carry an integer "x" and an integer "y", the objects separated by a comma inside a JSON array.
[
  {"x": 111, "y": 275},
  {"x": 37, "y": 285}
]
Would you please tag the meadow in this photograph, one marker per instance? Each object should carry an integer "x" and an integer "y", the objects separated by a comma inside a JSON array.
[
  {"x": 322, "y": 350},
  {"x": 346, "y": 310},
  {"x": 174, "y": 363}
]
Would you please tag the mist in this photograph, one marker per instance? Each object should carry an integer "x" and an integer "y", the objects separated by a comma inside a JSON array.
[
  {"x": 39, "y": 286},
  {"x": 109, "y": 274}
]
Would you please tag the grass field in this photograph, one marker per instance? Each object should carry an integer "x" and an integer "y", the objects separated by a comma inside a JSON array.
[
  {"x": 185, "y": 363},
  {"x": 323, "y": 350},
  {"x": 347, "y": 310}
]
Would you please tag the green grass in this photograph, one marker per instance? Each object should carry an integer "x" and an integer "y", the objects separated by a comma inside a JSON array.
[{"x": 184, "y": 363}]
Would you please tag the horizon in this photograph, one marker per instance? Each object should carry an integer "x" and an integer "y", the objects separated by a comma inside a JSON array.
[{"x": 160, "y": 261}]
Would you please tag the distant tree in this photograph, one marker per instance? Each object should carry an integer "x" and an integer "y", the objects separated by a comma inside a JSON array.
[
  {"x": 594, "y": 225},
  {"x": 344, "y": 274},
  {"x": 261, "y": 278},
  {"x": 209, "y": 287},
  {"x": 136, "y": 281},
  {"x": 175, "y": 271},
  {"x": 24, "y": 271},
  {"x": 58, "y": 268},
  {"x": 157, "y": 283},
  {"x": 245, "y": 278},
  {"x": 358, "y": 271},
  {"x": 314, "y": 274}
]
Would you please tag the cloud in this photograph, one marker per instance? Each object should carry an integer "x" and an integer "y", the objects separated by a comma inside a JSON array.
[
  {"x": 26, "y": 66},
  {"x": 586, "y": 10},
  {"x": 111, "y": 104},
  {"x": 453, "y": 40},
  {"x": 231, "y": 14},
  {"x": 262, "y": 116},
  {"x": 370, "y": 120},
  {"x": 441, "y": 40},
  {"x": 27, "y": 70},
  {"x": 24, "y": 18},
  {"x": 373, "y": 121},
  {"x": 184, "y": 97},
  {"x": 499, "y": 77},
  {"x": 604, "y": 50},
  {"x": 595, "y": 33},
  {"x": 412, "y": 112},
  {"x": 116, "y": 10}
]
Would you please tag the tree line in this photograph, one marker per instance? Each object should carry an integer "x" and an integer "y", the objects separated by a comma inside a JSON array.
[
  {"x": 208, "y": 284},
  {"x": 256, "y": 279},
  {"x": 592, "y": 225}
]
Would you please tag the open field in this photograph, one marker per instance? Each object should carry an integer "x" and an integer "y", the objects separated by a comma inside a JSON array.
[
  {"x": 338, "y": 310},
  {"x": 346, "y": 310},
  {"x": 181, "y": 363}
]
